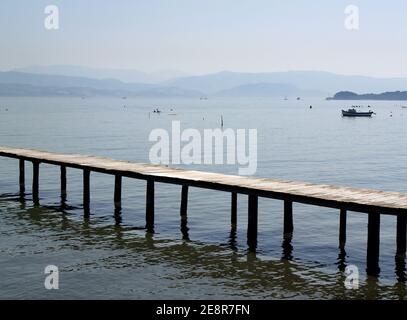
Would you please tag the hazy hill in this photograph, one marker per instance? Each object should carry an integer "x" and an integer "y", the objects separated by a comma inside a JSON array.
[
  {"x": 125, "y": 75},
  {"x": 66, "y": 81},
  {"x": 348, "y": 95},
  {"x": 14, "y": 90},
  {"x": 326, "y": 82},
  {"x": 18, "y": 83},
  {"x": 266, "y": 90}
]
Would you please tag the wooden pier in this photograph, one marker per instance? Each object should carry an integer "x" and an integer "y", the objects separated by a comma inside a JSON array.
[{"x": 372, "y": 202}]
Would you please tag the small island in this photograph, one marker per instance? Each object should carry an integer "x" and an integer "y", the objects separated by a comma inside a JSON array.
[{"x": 349, "y": 95}]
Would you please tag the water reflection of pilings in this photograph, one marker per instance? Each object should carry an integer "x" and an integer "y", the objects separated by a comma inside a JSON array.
[
  {"x": 149, "y": 240},
  {"x": 400, "y": 268},
  {"x": 277, "y": 278},
  {"x": 184, "y": 228},
  {"x": 45, "y": 217},
  {"x": 400, "y": 291},
  {"x": 63, "y": 202},
  {"x": 22, "y": 196},
  {"x": 372, "y": 286},
  {"x": 118, "y": 231},
  {"x": 118, "y": 216},
  {"x": 233, "y": 239},
  {"x": 287, "y": 249},
  {"x": 341, "y": 260},
  {"x": 251, "y": 260}
]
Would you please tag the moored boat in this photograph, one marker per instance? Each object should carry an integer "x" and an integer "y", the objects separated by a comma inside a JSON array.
[{"x": 353, "y": 113}]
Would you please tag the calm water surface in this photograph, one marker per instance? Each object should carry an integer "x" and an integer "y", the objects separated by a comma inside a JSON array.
[{"x": 110, "y": 257}]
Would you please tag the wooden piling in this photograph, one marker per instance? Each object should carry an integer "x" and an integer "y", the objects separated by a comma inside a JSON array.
[
  {"x": 63, "y": 183},
  {"x": 184, "y": 202},
  {"x": 233, "y": 219},
  {"x": 22, "y": 176},
  {"x": 342, "y": 228},
  {"x": 86, "y": 191},
  {"x": 184, "y": 213},
  {"x": 118, "y": 192},
  {"x": 373, "y": 244},
  {"x": 401, "y": 237},
  {"x": 288, "y": 220},
  {"x": 35, "y": 186},
  {"x": 252, "y": 222},
  {"x": 150, "y": 206}
]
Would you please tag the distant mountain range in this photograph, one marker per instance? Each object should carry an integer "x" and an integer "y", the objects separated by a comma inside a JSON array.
[
  {"x": 84, "y": 81},
  {"x": 315, "y": 81},
  {"x": 125, "y": 75},
  {"x": 27, "y": 84},
  {"x": 276, "y": 90},
  {"x": 348, "y": 95}
]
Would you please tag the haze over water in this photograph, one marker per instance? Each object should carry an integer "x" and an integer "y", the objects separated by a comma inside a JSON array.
[{"x": 104, "y": 257}]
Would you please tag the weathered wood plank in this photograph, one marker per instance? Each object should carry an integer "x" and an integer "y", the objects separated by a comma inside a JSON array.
[{"x": 362, "y": 200}]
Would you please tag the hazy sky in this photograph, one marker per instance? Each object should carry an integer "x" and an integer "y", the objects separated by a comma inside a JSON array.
[{"x": 203, "y": 36}]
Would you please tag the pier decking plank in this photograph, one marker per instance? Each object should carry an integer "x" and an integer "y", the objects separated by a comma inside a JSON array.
[{"x": 362, "y": 200}]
